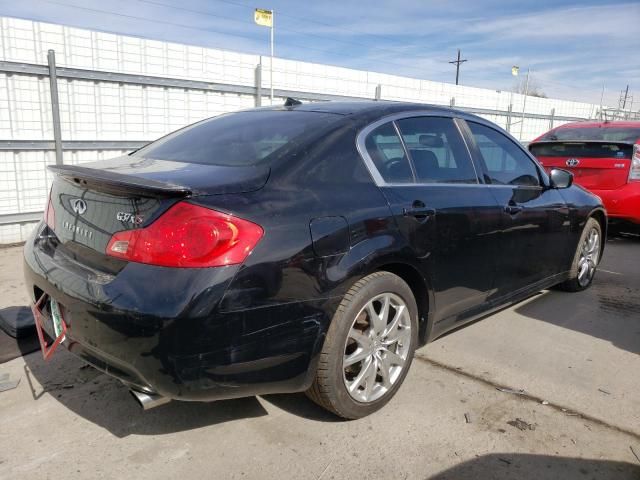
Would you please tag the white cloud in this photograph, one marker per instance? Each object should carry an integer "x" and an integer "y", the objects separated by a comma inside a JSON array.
[{"x": 601, "y": 22}]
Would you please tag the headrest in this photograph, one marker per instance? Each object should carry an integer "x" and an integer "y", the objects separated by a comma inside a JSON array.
[
  {"x": 424, "y": 158},
  {"x": 432, "y": 141}
]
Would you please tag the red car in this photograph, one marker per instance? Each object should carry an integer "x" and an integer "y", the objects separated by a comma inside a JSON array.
[{"x": 604, "y": 158}]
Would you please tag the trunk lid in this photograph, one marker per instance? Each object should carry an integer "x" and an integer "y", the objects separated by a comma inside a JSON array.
[
  {"x": 93, "y": 201},
  {"x": 598, "y": 165}
]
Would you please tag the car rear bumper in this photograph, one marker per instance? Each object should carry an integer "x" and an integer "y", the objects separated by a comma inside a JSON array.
[
  {"x": 160, "y": 330},
  {"x": 622, "y": 203}
]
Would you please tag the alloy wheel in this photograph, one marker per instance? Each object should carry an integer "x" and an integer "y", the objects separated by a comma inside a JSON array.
[
  {"x": 589, "y": 256},
  {"x": 377, "y": 347}
]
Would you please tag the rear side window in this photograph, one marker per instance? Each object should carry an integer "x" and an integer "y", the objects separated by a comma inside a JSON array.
[
  {"x": 386, "y": 151},
  {"x": 239, "y": 139},
  {"x": 505, "y": 161},
  {"x": 437, "y": 150}
]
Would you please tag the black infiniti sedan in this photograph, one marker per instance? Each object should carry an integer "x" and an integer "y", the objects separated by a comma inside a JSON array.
[{"x": 300, "y": 248}]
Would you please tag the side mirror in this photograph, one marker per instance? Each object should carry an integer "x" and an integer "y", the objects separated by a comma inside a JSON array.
[{"x": 560, "y": 178}]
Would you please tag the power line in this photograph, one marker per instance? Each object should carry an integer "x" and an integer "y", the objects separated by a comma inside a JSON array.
[
  {"x": 244, "y": 36},
  {"x": 280, "y": 28},
  {"x": 318, "y": 22},
  {"x": 134, "y": 17},
  {"x": 191, "y": 10},
  {"x": 211, "y": 30}
]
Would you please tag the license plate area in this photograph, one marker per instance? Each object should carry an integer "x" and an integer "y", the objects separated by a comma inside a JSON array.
[{"x": 48, "y": 313}]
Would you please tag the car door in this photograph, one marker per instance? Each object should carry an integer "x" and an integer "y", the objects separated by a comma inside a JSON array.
[
  {"x": 447, "y": 215},
  {"x": 535, "y": 219}
]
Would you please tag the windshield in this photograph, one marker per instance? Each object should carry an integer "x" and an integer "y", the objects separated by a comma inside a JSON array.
[
  {"x": 603, "y": 134},
  {"x": 239, "y": 139}
]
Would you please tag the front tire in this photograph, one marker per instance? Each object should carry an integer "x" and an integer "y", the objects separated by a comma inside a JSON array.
[
  {"x": 586, "y": 259},
  {"x": 368, "y": 348}
]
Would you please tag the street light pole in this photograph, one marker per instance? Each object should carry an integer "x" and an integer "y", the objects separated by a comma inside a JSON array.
[
  {"x": 524, "y": 103},
  {"x": 514, "y": 72}
]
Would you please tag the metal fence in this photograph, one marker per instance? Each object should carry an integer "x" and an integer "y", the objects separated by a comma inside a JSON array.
[
  {"x": 613, "y": 114},
  {"x": 509, "y": 118}
]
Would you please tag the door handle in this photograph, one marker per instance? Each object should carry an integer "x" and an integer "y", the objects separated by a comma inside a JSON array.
[
  {"x": 418, "y": 210},
  {"x": 512, "y": 209}
]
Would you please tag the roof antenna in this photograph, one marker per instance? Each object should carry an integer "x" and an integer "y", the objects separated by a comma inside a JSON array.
[{"x": 290, "y": 102}]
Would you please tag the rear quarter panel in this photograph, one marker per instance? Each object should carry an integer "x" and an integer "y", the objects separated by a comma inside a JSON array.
[{"x": 284, "y": 287}]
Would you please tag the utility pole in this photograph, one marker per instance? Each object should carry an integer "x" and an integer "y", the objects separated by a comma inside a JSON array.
[
  {"x": 626, "y": 95},
  {"x": 457, "y": 63}
]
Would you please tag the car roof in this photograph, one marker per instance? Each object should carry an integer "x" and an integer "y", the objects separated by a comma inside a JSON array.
[
  {"x": 361, "y": 113},
  {"x": 369, "y": 107}
]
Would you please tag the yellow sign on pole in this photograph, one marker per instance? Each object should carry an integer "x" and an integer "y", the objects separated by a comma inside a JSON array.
[
  {"x": 515, "y": 70},
  {"x": 263, "y": 17}
]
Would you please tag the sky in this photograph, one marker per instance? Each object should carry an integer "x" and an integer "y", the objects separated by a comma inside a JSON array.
[{"x": 572, "y": 48}]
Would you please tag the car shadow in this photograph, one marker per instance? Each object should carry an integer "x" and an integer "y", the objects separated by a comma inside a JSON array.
[
  {"x": 614, "y": 297},
  {"x": 11, "y": 348},
  {"x": 106, "y": 402},
  {"x": 300, "y": 405},
  {"x": 17, "y": 320},
  {"x": 497, "y": 466}
]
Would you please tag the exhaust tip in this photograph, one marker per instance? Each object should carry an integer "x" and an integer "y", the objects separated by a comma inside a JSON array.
[{"x": 148, "y": 400}]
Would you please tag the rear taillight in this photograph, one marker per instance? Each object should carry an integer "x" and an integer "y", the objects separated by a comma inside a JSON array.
[
  {"x": 50, "y": 214},
  {"x": 634, "y": 171},
  {"x": 188, "y": 235}
]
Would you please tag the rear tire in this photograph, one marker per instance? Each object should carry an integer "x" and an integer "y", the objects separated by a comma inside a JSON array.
[
  {"x": 586, "y": 258},
  {"x": 368, "y": 348}
]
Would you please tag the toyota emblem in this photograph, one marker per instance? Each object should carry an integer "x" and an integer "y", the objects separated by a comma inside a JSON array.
[
  {"x": 78, "y": 205},
  {"x": 573, "y": 162}
]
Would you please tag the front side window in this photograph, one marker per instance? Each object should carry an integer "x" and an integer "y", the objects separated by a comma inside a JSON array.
[
  {"x": 506, "y": 162},
  {"x": 385, "y": 150},
  {"x": 437, "y": 150}
]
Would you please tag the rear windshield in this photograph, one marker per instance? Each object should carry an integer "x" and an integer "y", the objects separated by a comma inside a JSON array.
[
  {"x": 586, "y": 150},
  {"x": 605, "y": 134},
  {"x": 239, "y": 139}
]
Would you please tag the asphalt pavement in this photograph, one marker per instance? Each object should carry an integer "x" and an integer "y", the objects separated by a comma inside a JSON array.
[{"x": 547, "y": 389}]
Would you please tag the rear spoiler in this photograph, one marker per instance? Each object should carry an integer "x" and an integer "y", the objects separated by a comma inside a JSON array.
[{"x": 107, "y": 180}]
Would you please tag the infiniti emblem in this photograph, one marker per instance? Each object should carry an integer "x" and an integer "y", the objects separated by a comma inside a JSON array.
[
  {"x": 573, "y": 162},
  {"x": 78, "y": 205}
]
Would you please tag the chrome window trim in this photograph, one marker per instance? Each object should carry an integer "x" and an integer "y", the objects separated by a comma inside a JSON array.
[
  {"x": 412, "y": 167},
  {"x": 456, "y": 122},
  {"x": 375, "y": 174},
  {"x": 524, "y": 187}
]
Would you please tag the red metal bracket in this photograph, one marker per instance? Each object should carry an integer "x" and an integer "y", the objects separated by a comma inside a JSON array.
[{"x": 47, "y": 349}]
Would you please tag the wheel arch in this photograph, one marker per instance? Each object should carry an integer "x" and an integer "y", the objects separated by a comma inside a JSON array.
[
  {"x": 601, "y": 217},
  {"x": 421, "y": 291}
]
